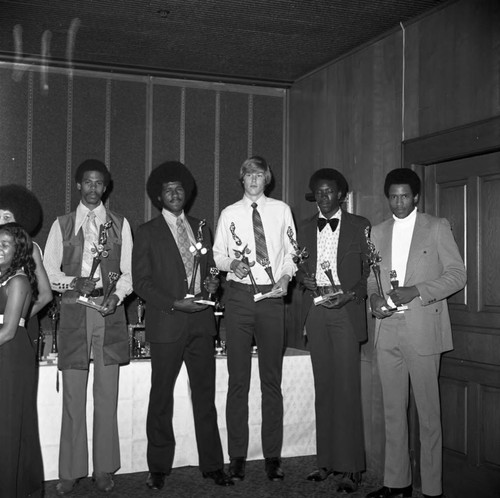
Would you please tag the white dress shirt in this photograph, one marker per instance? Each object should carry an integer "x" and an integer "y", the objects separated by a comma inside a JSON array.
[
  {"x": 171, "y": 220},
  {"x": 328, "y": 244},
  {"x": 59, "y": 281},
  {"x": 276, "y": 219}
]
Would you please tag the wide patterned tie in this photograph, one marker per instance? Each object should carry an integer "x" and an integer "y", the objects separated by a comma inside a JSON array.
[
  {"x": 91, "y": 235},
  {"x": 260, "y": 236},
  {"x": 183, "y": 244}
]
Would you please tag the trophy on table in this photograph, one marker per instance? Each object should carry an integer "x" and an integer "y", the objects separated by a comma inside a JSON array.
[
  {"x": 243, "y": 254},
  {"x": 300, "y": 259},
  {"x": 213, "y": 278},
  {"x": 100, "y": 251},
  {"x": 53, "y": 314}
]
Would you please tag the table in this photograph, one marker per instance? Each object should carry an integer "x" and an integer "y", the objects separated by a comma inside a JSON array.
[{"x": 298, "y": 399}]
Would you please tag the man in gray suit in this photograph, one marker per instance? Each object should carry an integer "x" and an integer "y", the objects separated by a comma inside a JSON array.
[{"x": 422, "y": 251}]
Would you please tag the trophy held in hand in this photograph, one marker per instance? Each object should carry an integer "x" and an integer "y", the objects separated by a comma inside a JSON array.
[
  {"x": 300, "y": 259},
  {"x": 99, "y": 251},
  {"x": 393, "y": 277},
  {"x": 211, "y": 285},
  {"x": 243, "y": 254},
  {"x": 332, "y": 290}
]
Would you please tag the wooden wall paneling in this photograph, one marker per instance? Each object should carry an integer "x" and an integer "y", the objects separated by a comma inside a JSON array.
[
  {"x": 489, "y": 242},
  {"x": 454, "y": 398},
  {"x": 233, "y": 145},
  {"x": 14, "y": 97},
  {"x": 200, "y": 133},
  {"x": 128, "y": 149},
  {"x": 452, "y": 67},
  {"x": 268, "y": 137},
  {"x": 166, "y": 123},
  {"x": 88, "y": 126},
  {"x": 490, "y": 435},
  {"x": 50, "y": 131}
]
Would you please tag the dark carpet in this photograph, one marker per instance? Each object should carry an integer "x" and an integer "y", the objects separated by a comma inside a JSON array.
[{"x": 187, "y": 482}]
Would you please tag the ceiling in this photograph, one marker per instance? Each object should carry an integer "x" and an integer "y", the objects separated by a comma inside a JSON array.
[{"x": 268, "y": 42}]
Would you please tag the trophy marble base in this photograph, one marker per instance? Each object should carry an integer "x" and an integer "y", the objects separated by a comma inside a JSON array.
[
  {"x": 325, "y": 297},
  {"x": 87, "y": 301},
  {"x": 205, "y": 301},
  {"x": 270, "y": 294},
  {"x": 395, "y": 309}
]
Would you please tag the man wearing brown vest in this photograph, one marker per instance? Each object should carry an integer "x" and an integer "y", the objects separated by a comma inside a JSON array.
[{"x": 74, "y": 243}]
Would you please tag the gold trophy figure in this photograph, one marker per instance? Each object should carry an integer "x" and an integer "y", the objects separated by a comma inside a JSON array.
[
  {"x": 53, "y": 314},
  {"x": 335, "y": 289},
  {"x": 212, "y": 279},
  {"x": 300, "y": 259},
  {"x": 100, "y": 251},
  {"x": 243, "y": 254},
  {"x": 393, "y": 277}
]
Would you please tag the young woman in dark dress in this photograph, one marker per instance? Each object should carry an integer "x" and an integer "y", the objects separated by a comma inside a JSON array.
[{"x": 21, "y": 468}]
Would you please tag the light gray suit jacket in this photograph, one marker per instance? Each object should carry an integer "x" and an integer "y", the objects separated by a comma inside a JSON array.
[{"x": 436, "y": 268}]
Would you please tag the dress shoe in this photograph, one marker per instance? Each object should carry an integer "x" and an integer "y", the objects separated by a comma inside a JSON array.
[
  {"x": 386, "y": 492},
  {"x": 237, "y": 468},
  {"x": 65, "y": 486},
  {"x": 156, "y": 480},
  {"x": 433, "y": 496},
  {"x": 319, "y": 474},
  {"x": 103, "y": 481},
  {"x": 273, "y": 469},
  {"x": 349, "y": 482},
  {"x": 219, "y": 477}
]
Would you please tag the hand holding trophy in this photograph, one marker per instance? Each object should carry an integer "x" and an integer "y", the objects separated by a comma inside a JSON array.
[
  {"x": 300, "y": 259},
  {"x": 211, "y": 285},
  {"x": 100, "y": 251},
  {"x": 197, "y": 251}
]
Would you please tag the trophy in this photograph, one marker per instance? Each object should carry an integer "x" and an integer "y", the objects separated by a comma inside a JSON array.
[
  {"x": 220, "y": 345},
  {"x": 99, "y": 251},
  {"x": 393, "y": 277},
  {"x": 243, "y": 254},
  {"x": 53, "y": 314},
  {"x": 299, "y": 258},
  {"x": 211, "y": 301},
  {"x": 374, "y": 260},
  {"x": 335, "y": 289}
]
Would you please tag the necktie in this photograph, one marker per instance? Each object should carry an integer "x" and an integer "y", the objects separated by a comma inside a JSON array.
[
  {"x": 333, "y": 222},
  {"x": 91, "y": 236},
  {"x": 260, "y": 236},
  {"x": 183, "y": 244}
]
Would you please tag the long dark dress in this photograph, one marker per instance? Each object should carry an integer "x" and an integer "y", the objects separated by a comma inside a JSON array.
[{"x": 21, "y": 467}]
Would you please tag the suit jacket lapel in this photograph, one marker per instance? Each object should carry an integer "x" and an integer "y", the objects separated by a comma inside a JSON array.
[{"x": 345, "y": 237}]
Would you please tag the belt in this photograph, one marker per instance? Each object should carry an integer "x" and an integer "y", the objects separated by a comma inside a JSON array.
[
  {"x": 249, "y": 288},
  {"x": 22, "y": 321},
  {"x": 96, "y": 293}
]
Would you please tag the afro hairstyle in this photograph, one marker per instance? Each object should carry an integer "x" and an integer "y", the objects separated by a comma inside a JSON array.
[
  {"x": 169, "y": 171},
  {"x": 23, "y": 204},
  {"x": 402, "y": 176}
]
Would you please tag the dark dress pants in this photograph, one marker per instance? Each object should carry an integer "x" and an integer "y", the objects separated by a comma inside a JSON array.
[
  {"x": 335, "y": 360},
  {"x": 244, "y": 320},
  {"x": 196, "y": 349}
]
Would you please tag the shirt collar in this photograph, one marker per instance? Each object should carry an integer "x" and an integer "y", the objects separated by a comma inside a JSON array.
[
  {"x": 260, "y": 201},
  {"x": 408, "y": 220},
  {"x": 170, "y": 217},
  {"x": 338, "y": 214},
  {"x": 81, "y": 215}
]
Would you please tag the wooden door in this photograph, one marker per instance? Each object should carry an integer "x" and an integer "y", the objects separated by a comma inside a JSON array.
[{"x": 467, "y": 193}]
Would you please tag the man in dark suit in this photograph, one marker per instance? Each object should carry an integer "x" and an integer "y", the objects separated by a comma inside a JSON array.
[
  {"x": 177, "y": 327},
  {"x": 422, "y": 251},
  {"x": 336, "y": 326}
]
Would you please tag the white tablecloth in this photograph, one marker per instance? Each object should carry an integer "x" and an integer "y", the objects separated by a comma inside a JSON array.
[{"x": 299, "y": 421}]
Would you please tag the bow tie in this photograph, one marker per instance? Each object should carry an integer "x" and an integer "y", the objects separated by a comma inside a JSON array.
[{"x": 333, "y": 222}]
